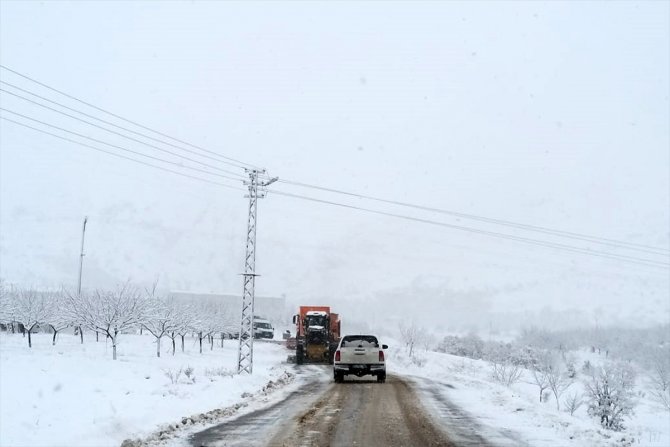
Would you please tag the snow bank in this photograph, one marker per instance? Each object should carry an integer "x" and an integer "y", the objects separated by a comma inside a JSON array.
[
  {"x": 514, "y": 416},
  {"x": 76, "y": 395}
]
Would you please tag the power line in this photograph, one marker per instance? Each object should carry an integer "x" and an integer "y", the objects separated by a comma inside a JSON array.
[
  {"x": 103, "y": 121},
  {"x": 554, "y": 232},
  {"x": 126, "y": 158},
  {"x": 124, "y": 149},
  {"x": 241, "y": 164},
  {"x": 536, "y": 228},
  {"x": 564, "y": 247},
  {"x": 124, "y": 136},
  {"x": 570, "y": 248},
  {"x": 528, "y": 227}
]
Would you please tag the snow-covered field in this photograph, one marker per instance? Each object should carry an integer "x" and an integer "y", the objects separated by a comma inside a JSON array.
[
  {"x": 76, "y": 395},
  {"x": 514, "y": 416}
]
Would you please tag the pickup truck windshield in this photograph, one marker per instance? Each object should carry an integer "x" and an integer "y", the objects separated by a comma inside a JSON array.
[{"x": 360, "y": 341}]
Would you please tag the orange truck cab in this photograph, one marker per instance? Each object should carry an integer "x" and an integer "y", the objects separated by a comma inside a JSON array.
[{"x": 317, "y": 334}]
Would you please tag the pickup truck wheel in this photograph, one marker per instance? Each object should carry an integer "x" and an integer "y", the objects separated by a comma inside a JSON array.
[
  {"x": 339, "y": 377},
  {"x": 299, "y": 355},
  {"x": 381, "y": 378}
]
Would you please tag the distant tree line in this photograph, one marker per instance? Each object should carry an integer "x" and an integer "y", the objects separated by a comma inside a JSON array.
[{"x": 544, "y": 358}]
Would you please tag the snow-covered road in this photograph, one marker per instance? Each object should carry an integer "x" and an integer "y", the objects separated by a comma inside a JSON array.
[{"x": 357, "y": 412}]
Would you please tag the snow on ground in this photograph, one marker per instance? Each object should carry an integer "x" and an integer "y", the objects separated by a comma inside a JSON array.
[
  {"x": 76, "y": 395},
  {"x": 514, "y": 416}
]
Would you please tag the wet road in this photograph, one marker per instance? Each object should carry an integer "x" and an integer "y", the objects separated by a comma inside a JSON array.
[
  {"x": 364, "y": 414},
  {"x": 358, "y": 412}
]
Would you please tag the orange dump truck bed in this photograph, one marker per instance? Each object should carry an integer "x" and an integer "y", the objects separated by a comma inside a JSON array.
[{"x": 335, "y": 326}]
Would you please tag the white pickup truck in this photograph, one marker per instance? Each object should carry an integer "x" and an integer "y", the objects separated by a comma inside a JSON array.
[{"x": 359, "y": 355}]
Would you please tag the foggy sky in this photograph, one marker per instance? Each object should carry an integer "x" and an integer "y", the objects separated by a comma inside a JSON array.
[{"x": 552, "y": 114}]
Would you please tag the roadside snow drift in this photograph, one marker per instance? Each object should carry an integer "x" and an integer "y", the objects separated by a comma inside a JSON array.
[{"x": 74, "y": 394}]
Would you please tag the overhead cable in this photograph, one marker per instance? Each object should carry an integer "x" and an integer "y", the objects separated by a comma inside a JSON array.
[
  {"x": 123, "y": 156},
  {"x": 587, "y": 251},
  {"x": 535, "y": 228},
  {"x": 104, "y": 121},
  {"x": 240, "y": 164},
  {"x": 120, "y": 147}
]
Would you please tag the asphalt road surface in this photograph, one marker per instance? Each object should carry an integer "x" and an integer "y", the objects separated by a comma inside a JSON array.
[{"x": 359, "y": 412}]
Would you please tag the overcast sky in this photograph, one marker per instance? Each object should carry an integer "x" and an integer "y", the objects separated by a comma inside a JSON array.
[{"x": 552, "y": 114}]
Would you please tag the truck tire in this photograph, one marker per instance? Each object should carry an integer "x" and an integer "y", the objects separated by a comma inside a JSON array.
[
  {"x": 339, "y": 377},
  {"x": 381, "y": 378},
  {"x": 299, "y": 355}
]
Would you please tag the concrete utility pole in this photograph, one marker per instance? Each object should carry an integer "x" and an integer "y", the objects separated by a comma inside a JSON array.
[
  {"x": 245, "y": 353},
  {"x": 81, "y": 256},
  {"x": 81, "y": 265}
]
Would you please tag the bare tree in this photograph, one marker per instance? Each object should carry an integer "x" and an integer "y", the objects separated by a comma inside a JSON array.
[
  {"x": 557, "y": 377},
  {"x": 7, "y": 301},
  {"x": 188, "y": 321},
  {"x": 610, "y": 392},
  {"x": 660, "y": 376},
  {"x": 110, "y": 312},
  {"x": 160, "y": 319},
  {"x": 540, "y": 378},
  {"x": 31, "y": 309},
  {"x": 182, "y": 321},
  {"x": 201, "y": 323},
  {"x": 215, "y": 323},
  {"x": 59, "y": 316},
  {"x": 411, "y": 336}
]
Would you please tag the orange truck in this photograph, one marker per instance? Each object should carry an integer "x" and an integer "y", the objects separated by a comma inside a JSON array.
[{"x": 317, "y": 334}]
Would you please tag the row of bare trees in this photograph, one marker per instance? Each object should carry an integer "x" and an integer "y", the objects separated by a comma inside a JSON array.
[{"x": 112, "y": 313}]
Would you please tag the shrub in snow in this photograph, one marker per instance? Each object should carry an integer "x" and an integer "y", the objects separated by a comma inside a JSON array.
[
  {"x": 189, "y": 373},
  {"x": 418, "y": 360},
  {"x": 173, "y": 375},
  {"x": 220, "y": 371},
  {"x": 470, "y": 346},
  {"x": 473, "y": 347},
  {"x": 505, "y": 371},
  {"x": 659, "y": 364},
  {"x": 545, "y": 339},
  {"x": 572, "y": 403},
  {"x": 570, "y": 368},
  {"x": 610, "y": 394}
]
